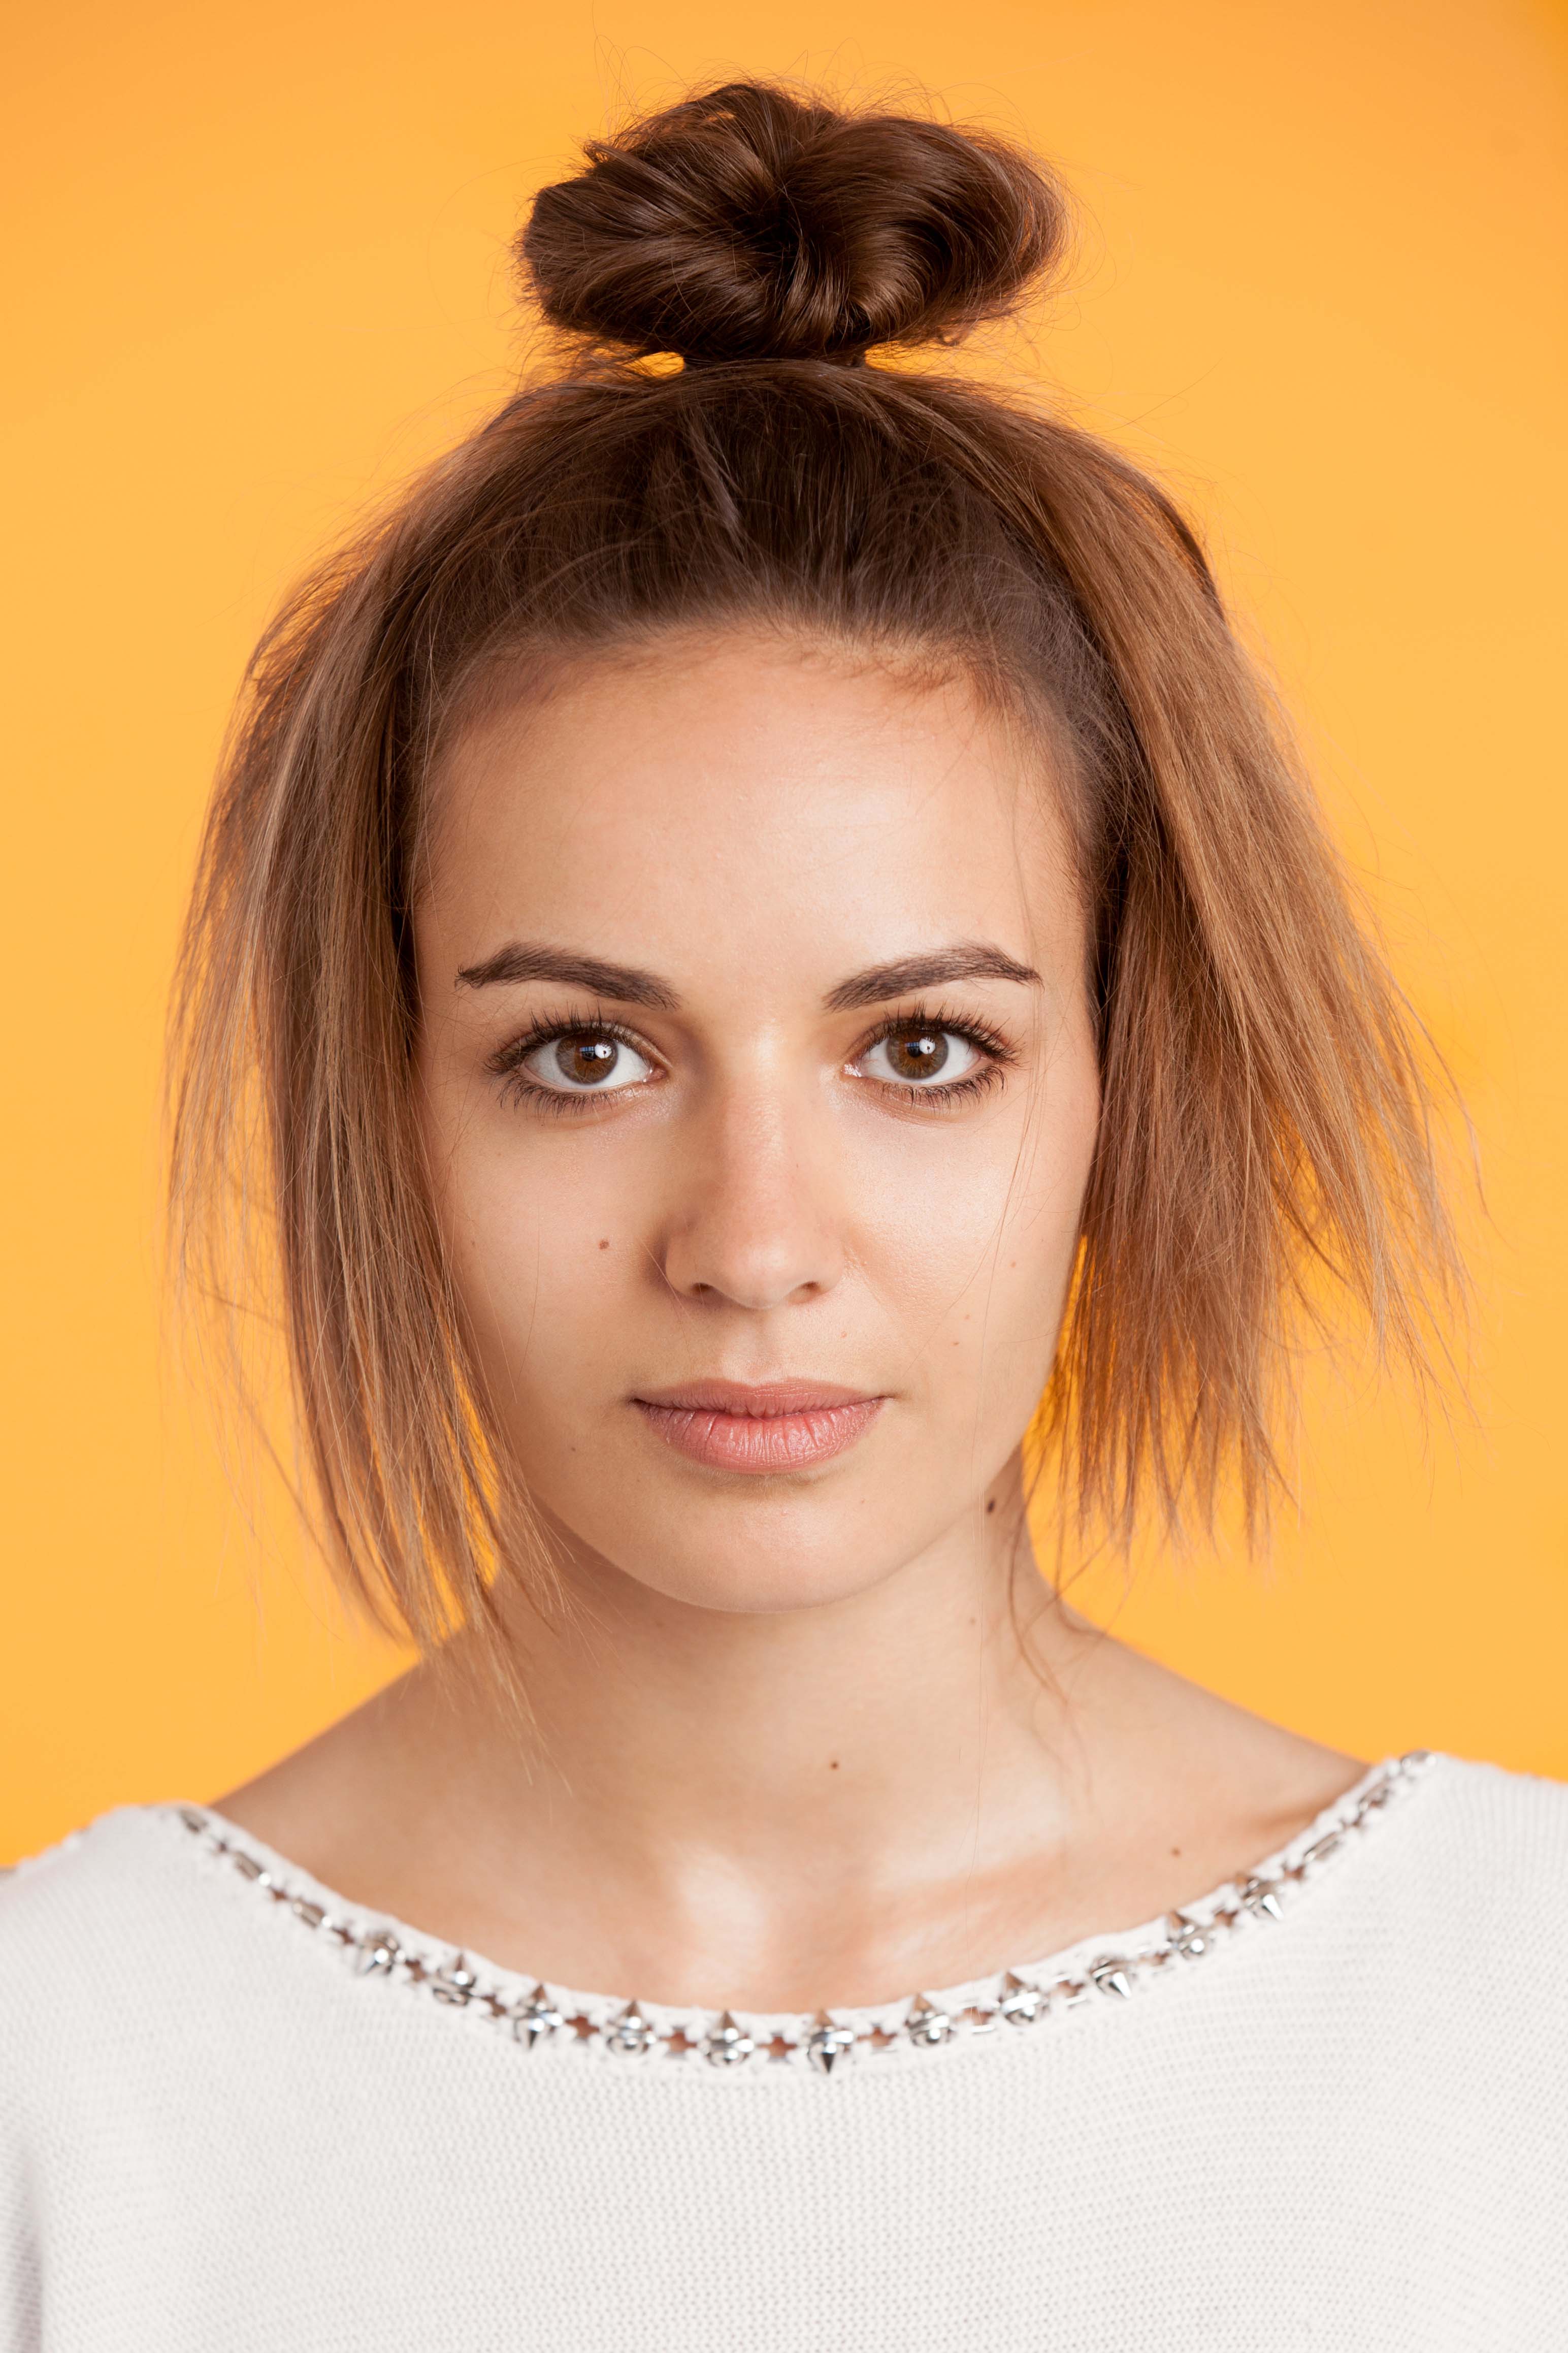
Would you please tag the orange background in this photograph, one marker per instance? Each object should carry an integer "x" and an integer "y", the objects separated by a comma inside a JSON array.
[{"x": 259, "y": 271}]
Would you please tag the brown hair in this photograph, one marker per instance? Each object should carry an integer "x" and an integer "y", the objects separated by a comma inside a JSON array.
[{"x": 1265, "y": 1118}]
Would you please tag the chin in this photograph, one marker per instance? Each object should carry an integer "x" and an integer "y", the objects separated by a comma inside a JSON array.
[
  {"x": 759, "y": 1587},
  {"x": 761, "y": 1556}
]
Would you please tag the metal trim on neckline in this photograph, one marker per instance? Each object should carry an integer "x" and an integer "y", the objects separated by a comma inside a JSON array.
[{"x": 825, "y": 2043}]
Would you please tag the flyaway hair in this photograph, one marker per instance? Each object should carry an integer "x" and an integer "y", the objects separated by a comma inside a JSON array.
[{"x": 1265, "y": 1153}]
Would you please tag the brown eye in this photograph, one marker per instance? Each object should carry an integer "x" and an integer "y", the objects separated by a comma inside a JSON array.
[
  {"x": 916, "y": 1053},
  {"x": 921, "y": 1054},
  {"x": 584, "y": 1061},
  {"x": 580, "y": 1061}
]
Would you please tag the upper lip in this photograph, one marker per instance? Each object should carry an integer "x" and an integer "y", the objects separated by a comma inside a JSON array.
[{"x": 758, "y": 1399}]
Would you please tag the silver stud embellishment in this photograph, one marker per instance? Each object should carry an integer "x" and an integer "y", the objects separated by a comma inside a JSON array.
[
  {"x": 536, "y": 2019},
  {"x": 1190, "y": 1938},
  {"x": 454, "y": 1985},
  {"x": 927, "y": 2026},
  {"x": 1020, "y": 2004},
  {"x": 824, "y": 2043},
  {"x": 828, "y": 2044},
  {"x": 628, "y": 2032},
  {"x": 726, "y": 2044}
]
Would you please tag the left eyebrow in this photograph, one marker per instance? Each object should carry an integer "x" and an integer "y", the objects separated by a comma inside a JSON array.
[
  {"x": 522, "y": 960},
  {"x": 976, "y": 961}
]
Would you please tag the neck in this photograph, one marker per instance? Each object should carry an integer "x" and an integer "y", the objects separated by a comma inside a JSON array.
[
  {"x": 669, "y": 1727},
  {"x": 772, "y": 1799},
  {"x": 941, "y": 1776}
]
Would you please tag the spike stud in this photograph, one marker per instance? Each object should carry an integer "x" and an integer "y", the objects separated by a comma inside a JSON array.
[
  {"x": 828, "y": 2044},
  {"x": 454, "y": 1984},
  {"x": 628, "y": 2032},
  {"x": 536, "y": 2019},
  {"x": 926, "y": 2025},
  {"x": 1020, "y": 2004},
  {"x": 377, "y": 1953},
  {"x": 726, "y": 2044},
  {"x": 1110, "y": 1974},
  {"x": 1188, "y": 1937}
]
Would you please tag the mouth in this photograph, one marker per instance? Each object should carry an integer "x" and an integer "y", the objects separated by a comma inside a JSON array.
[{"x": 763, "y": 1430}]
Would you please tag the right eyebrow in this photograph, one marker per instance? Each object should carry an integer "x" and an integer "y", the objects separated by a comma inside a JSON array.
[
  {"x": 976, "y": 961},
  {"x": 522, "y": 960}
]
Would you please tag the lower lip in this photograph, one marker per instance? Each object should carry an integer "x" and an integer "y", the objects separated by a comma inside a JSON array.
[{"x": 763, "y": 1443}]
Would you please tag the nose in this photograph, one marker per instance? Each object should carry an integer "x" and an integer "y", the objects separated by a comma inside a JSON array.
[{"x": 751, "y": 1224}]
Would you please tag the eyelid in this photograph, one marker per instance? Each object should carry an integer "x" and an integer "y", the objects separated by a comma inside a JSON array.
[
  {"x": 509, "y": 1058},
  {"x": 969, "y": 1026},
  {"x": 508, "y": 1061},
  {"x": 523, "y": 1087}
]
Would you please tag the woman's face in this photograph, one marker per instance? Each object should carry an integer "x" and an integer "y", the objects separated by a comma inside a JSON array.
[{"x": 759, "y": 1085}]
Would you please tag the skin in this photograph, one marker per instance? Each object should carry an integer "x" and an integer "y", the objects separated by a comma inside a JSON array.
[{"x": 822, "y": 1734}]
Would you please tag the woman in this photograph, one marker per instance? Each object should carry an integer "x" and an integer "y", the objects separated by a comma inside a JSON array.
[{"x": 756, "y": 926}]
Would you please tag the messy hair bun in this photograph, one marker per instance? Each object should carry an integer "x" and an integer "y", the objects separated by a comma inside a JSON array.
[
  {"x": 1265, "y": 1099},
  {"x": 748, "y": 224}
]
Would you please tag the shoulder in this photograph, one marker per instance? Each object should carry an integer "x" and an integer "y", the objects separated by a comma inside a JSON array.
[
  {"x": 1501, "y": 1836},
  {"x": 105, "y": 1932},
  {"x": 111, "y": 1867},
  {"x": 1467, "y": 1890}
]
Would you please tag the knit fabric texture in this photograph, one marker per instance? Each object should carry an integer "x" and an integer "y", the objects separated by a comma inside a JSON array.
[{"x": 1343, "y": 2129}]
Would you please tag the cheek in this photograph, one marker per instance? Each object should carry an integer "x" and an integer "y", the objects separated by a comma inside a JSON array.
[
  {"x": 1001, "y": 1335},
  {"x": 541, "y": 1256},
  {"x": 954, "y": 1202},
  {"x": 968, "y": 1238},
  {"x": 958, "y": 1244}
]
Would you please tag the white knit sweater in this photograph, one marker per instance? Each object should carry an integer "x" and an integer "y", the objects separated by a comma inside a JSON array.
[{"x": 1342, "y": 2125}]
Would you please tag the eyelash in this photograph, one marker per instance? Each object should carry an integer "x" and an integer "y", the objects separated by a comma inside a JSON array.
[
  {"x": 999, "y": 1056},
  {"x": 506, "y": 1062}
]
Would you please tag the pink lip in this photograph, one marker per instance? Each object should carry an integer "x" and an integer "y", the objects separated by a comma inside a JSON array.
[{"x": 775, "y": 1426}]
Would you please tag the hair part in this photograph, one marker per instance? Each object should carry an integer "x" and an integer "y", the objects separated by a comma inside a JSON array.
[{"x": 1266, "y": 1137}]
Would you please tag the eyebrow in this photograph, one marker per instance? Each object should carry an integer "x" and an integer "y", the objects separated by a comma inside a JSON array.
[
  {"x": 625, "y": 984},
  {"x": 975, "y": 961},
  {"x": 522, "y": 960}
]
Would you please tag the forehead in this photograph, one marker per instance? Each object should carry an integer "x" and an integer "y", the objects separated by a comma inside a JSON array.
[{"x": 726, "y": 803}]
